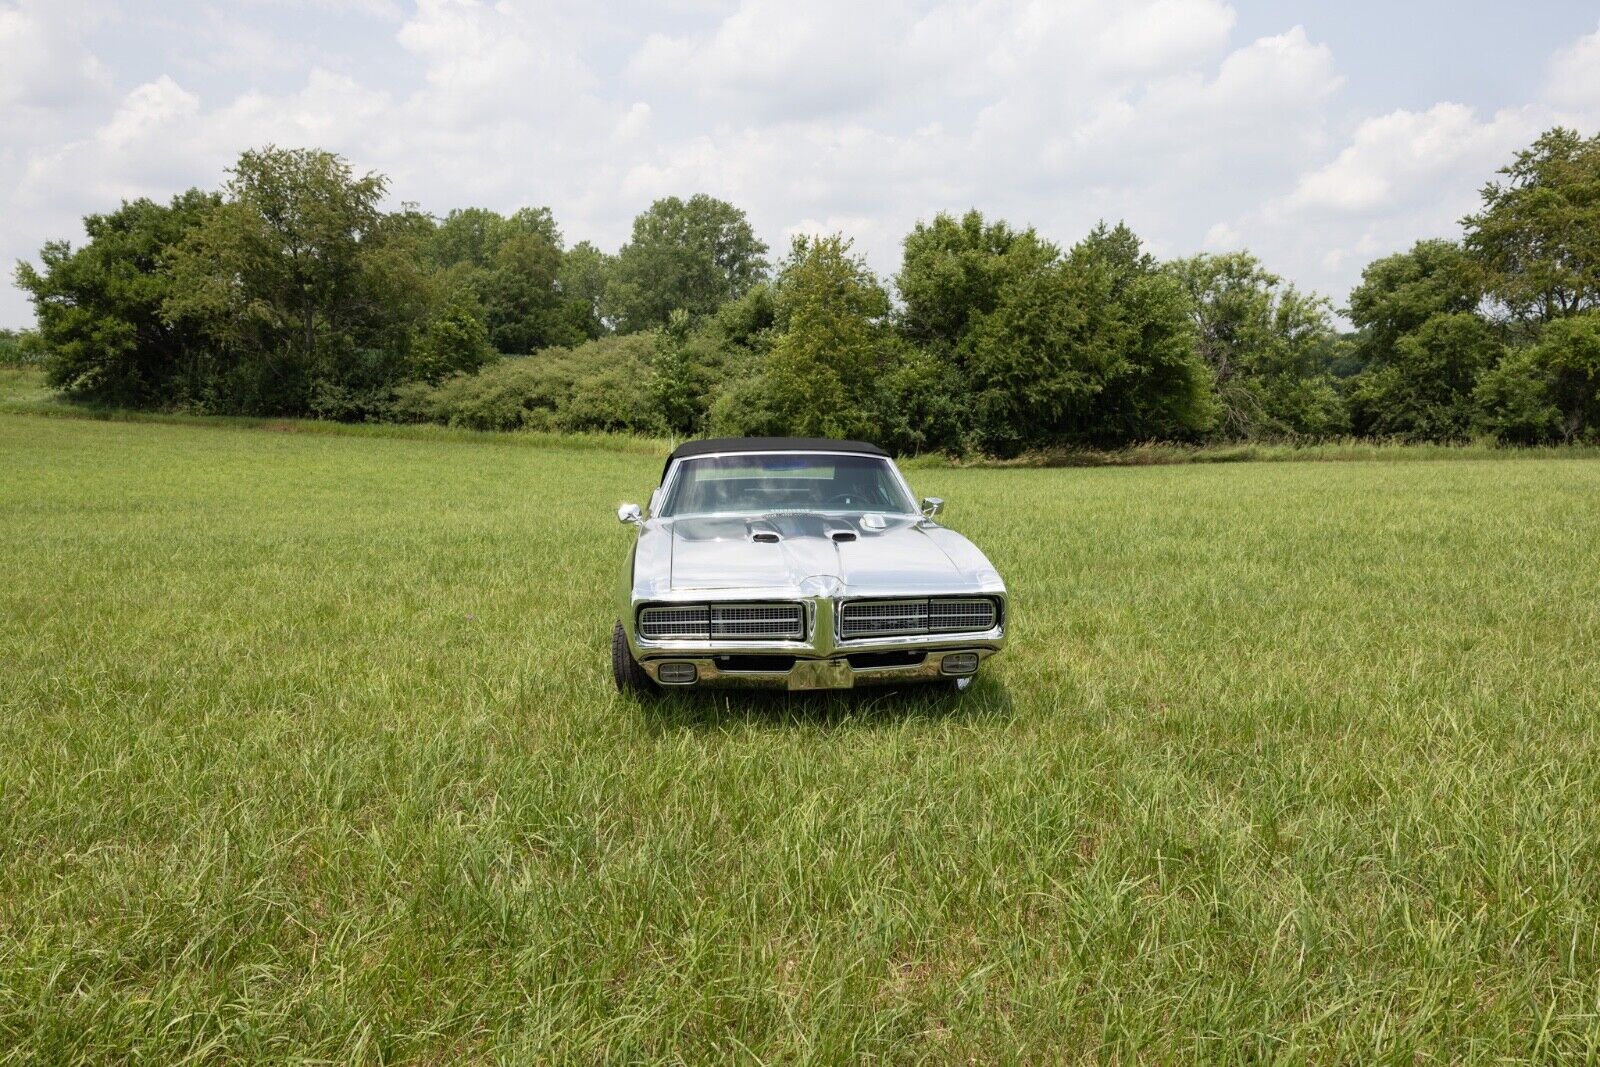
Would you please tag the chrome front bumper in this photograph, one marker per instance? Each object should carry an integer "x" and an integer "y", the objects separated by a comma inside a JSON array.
[
  {"x": 821, "y": 660},
  {"x": 815, "y": 673}
]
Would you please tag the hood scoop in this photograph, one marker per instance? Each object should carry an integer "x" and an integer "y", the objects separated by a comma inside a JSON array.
[
  {"x": 843, "y": 535},
  {"x": 762, "y": 532},
  {"x": 838, "y": 531}
]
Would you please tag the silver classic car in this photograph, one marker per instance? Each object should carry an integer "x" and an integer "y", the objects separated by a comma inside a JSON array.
[{"x": 802, "y": 564}]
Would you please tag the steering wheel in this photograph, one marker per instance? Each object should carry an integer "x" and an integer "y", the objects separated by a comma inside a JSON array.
[{"x": 847, "y": 499}]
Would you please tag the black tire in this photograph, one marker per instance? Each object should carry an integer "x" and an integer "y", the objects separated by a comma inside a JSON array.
[{"x": 625, "y": 670}]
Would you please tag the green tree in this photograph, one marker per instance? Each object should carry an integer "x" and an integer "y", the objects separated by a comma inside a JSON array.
[
  {"x": 921, "y": 405},
  {"x": 1096, "y": 349},
  {"x": 834, "y": 340},
  {"x": 1399, "y": 293},
  {"x": 474, "y": 236},
  {"x": 454, "y": 342},
  {"x": 585, "y": 272},
  {"x": 524, "y": 307},
  {"x": 1420, "y": 343},
  {"x": 694, "y": 254},
  {"x": 1537, "y": 236},
  {"x": 1549, "y": 391},
  {"x": 513, "y": 265},
  {"x": 748, "y": 324},
  {"x": 276, "y": 276},
  {"x": 671, "y": 378},
  {"x": 1423, "y": 390},
  {"x": 1267, "y": 346},
  {"x": 1158, "y": 387},
  {"x": 954, "y": 271},
  {"x": 100, "y": 307}
]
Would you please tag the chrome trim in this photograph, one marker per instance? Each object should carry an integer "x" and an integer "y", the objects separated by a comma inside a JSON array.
[
  {"x": 663, "y": 622},
  {"x": 811, "y": 674},
  {"x": 823, "y": 642},
  {"x": 916, "y": 615},
  {"x": 779, "y": 621},
  {"x": 758, "y": 622}
]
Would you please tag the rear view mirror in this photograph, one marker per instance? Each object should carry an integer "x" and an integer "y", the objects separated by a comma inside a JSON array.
[
  {"x": 628, "y": 514},
  {"x": 931, "y": 506}
]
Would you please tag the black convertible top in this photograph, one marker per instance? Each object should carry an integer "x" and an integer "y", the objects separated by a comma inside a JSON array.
[{"x": 769, "y": 444}]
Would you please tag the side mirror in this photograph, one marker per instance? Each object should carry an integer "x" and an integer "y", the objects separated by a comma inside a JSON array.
[
  {"x": 628, "y": 514},
  {"x": 931, "y": 506}
]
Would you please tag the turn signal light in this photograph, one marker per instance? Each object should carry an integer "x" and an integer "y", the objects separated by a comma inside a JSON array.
[
  {"x": 959, "y": 663},
  {"x": 681, "y": 673}
]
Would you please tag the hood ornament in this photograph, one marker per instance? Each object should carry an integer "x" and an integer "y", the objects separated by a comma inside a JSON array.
[{"x": 827, "y": 585}]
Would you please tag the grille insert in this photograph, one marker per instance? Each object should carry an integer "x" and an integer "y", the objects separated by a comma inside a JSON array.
[
  {"x": 960, "y": 616},
  {"x": 723, "y": 622},
  {"x": 662, "y": 623},
  {"x": 896, "y": 618}
]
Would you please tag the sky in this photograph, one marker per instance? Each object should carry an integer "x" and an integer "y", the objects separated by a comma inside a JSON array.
[{"x": 1319, "y": 135}]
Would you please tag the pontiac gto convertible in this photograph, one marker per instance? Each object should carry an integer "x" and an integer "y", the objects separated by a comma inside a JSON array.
[{"x": 801, "y": 564}]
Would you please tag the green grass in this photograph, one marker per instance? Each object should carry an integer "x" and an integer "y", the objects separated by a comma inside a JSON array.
[
  {"x": 23, "y": 388},
  {"x": 309, "y": 751},
  {"x": 23, "y": 391}
]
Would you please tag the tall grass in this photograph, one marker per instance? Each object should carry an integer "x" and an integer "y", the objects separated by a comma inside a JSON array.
[{"x": 308, "y": 751}]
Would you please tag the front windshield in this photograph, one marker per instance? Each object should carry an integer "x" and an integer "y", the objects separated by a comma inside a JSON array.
[{"x": 756, "y": 483}]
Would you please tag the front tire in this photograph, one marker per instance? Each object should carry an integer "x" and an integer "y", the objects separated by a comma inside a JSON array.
[{"x": 625, "y": 670}]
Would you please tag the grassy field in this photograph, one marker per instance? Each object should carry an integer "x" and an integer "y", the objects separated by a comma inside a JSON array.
[{"x": 309, "y": 750}]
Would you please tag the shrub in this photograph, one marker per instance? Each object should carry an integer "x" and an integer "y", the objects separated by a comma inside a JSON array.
[
  {"x": 22, "y": 348},
  {"x": 599, "y": 385},
  {"x": 454, "y": 342}
]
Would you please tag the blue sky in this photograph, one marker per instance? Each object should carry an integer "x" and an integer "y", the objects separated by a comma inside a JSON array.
[{"x": 1318, "y": 135}]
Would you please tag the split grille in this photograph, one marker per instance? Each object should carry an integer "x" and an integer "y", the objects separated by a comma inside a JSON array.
[
  {"x": 892, "y": 618},
  {"x": 786, "y": 622},
  {"x": 725, "y": 622}
]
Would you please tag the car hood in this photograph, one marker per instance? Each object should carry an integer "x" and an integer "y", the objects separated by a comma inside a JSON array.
[{"x": 775, "y": 552}]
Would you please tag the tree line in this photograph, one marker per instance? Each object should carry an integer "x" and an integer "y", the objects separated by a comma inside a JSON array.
[{"x": 292, "y": 292}]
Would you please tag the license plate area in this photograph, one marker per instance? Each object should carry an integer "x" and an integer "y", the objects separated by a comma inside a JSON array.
[{"x": 821, "y": 674}]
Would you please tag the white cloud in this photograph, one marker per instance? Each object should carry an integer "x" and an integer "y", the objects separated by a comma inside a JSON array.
[
  {"x": 43, "y": 63},
  {"x": 147, "y": 113},
  {"x": 813, "y": 117},
  {"x": 1408, "y": 174},
  {"x": 778, "y": 60},
  {"x": 1393, "y": 160},
  {"x": 633, "y": 124},
  {"x": 482, "y": 59},
  {"x": 1222, "y": 237},
  {"x": 1574, "y": 76},
  {"x": 160, "y": 140}
]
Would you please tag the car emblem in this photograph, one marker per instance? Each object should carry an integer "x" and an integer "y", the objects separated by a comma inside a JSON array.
[{"x": 829, "y": 585}]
